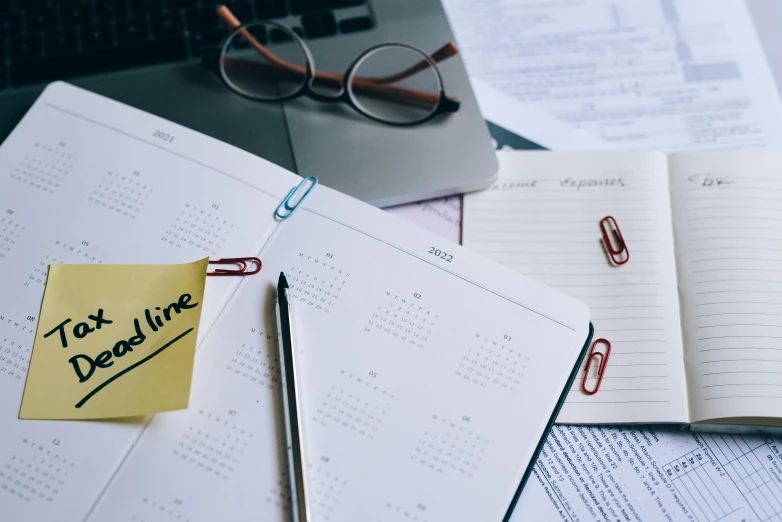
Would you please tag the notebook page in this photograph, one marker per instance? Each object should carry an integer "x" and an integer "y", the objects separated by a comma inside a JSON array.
[
  {"x": 541, "y": 218},
  {"x": 728, "y": 224},
  {"x": 87, "y": 180},
  {"x": 395, "y": 428}
]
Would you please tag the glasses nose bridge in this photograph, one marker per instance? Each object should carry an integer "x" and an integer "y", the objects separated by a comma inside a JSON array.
[{"x": 317, "y": 94}]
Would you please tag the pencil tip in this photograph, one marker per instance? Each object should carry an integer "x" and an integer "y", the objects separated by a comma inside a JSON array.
[{"x": 283, "y": 282}]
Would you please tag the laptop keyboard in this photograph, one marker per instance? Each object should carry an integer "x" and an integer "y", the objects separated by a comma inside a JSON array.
[{"x": 46, "y": 40}]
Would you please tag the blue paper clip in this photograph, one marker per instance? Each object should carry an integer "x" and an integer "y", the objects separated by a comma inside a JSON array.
[{"x": 285, "y": 209}]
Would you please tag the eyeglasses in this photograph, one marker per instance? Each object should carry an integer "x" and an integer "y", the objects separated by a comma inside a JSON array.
[{"x": 395, "y": 84}]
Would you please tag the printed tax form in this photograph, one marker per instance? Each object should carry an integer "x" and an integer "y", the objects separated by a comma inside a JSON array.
[
  {"x": 649, "y": 474},
  {"x": 665, "y": 75}
]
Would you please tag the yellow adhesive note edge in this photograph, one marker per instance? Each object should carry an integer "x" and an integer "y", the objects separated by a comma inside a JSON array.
[{"x": 114, "y": 341}]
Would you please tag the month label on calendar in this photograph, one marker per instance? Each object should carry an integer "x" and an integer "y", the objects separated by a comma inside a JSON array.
[
  {"x": 356, "y": 403},
  {"x": 62, "y": 252},
  {"x": 122, "y": 194},
  {"x": 156, "y": 509},
  {"x": 403, "y": 317},
  {"x": 394, "y": 512},
  {"x": 201, "y": 228},
  {"x": 255, "y": 362},
  {"x": 450, "y": 446},
  {"x": 11, "y": 231},
  {"x": 16, "y": 344},
  {"x": 35, "y": 471},
  {"x": 492, "y": 362},
  {"x": 214, "y": 443},
  {"x": 317, "y": 281},
  {"x": 45, "y": 168}
]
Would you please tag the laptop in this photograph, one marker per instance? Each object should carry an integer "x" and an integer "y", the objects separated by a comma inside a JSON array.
[{"x": 147, "y": 54}]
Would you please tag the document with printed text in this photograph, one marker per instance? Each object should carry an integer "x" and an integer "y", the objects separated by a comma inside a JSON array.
[{"x": 665, "y": 75}]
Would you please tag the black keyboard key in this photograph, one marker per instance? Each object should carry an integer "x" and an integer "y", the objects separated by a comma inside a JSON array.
[
  {"x": 308, "y": 6},
  {"x": 241, "y": 10},
  {"x": 44, "y": 70},
  {"x": 107, "y": 60},
  {"x": 3, "y": 77},
  {"x": 201, "y": 18},
  {"x": 26, "y": 47},
  {"x": 146, "y": 6},
  {"x": 10, "y": 24},
  {"x": 111, "y": 9},
  {"x": 74, "y": 14},
  {"x": 43, "y": 19},
  {"x": 146, "y": 53},
  {"x": 352, "y": 25},
  {"x": 319, "y": 25},
  {"x": 270, "y": 9},
  {"x": 59, "y": 43},
  {"x": 257, "y": 31},
  {"x": 5, "y": 6},
  {"x": 181, "y": 4},
  {"x": 132, "y": 31},
  {"x": 204, "y": 42},
  {"x": 166, "y": 25},
  {"x": 32, "y": 5},
  {"x": 96, "y": 37}
]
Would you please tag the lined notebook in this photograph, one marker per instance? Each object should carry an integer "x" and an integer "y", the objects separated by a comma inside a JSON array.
[
  {"x": 695, "y": 316},
  {"x": 419, "y": 357}
]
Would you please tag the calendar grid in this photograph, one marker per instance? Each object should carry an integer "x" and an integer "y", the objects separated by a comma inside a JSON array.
[
  {"x": 45, "y": 169},
  {"x": 35, "y": 472},
  {"x": 316, "y": 282},
  {"x": 11, "y": 231}
]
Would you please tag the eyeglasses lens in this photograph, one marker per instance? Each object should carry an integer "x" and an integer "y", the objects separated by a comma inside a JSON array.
[
  {"x": 396, "y": 84},
  {"x": 264, "y": 62}
]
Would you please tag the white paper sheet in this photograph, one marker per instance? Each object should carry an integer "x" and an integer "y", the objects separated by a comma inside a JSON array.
[
  {"x": 663, "y": 75},
  {"x": 728, "y": 227}
]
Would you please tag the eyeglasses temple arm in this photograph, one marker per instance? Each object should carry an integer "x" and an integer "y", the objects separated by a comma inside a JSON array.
[
  {"x": 441, "y": 54},
  {"x": 233, "y": 23}
]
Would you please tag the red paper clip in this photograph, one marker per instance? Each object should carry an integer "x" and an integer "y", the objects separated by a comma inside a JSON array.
[
  {"x": 241, "y": 264},
  {"x": 600, "y": 369},
  {"x": 616, "y": 248}
]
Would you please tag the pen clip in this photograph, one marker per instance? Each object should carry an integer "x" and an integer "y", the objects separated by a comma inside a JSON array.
[
  {"x": 613, "y": 241},
  {"x": 240, "y": 262},
  {"x": 601, "y": 367}
]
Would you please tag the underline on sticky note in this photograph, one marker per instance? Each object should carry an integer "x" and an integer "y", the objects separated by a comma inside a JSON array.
[{"x": 132, "y": 366}]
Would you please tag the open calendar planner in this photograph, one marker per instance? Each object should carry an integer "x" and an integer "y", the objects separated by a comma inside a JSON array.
[{"x": 431, "y": 375}]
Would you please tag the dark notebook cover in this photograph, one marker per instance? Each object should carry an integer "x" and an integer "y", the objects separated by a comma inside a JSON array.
[{"x": 551, "y": 420}]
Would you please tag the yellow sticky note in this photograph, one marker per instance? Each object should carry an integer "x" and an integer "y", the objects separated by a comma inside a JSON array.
[{"x": 114, "y": 341}]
